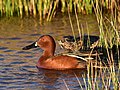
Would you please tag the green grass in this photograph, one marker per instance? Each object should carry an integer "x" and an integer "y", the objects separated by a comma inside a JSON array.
[
  {"x": 46, "y": 9},
  {"x": 105, "y": 79},
  {"x": 108, "y": 77}
]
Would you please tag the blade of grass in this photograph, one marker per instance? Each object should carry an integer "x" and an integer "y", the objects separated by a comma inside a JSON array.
[{"x": 66, "y": 85}]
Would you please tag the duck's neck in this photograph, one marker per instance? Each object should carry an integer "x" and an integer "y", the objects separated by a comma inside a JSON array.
[{"x": 48, "y": 53}]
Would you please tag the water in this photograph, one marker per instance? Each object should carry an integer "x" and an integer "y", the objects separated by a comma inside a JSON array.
[{"x": 18, "y": 68}]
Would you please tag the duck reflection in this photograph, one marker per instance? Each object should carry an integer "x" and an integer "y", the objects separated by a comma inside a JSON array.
[{"x": 54, "y": 79}]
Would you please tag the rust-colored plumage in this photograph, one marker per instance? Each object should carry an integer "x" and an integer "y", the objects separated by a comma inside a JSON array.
[{"x": 49, "y": 61}]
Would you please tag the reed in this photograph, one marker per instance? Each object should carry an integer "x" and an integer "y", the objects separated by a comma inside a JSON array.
[
  {"x": 108, "y": 28},
  {"x": 46, "y": 9},
  {"x": 102, "y": 79},
  {"x": 105, "y": 78}
]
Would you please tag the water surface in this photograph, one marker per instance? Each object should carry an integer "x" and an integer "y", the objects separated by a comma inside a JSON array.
[{"x": 18, "y": 68}]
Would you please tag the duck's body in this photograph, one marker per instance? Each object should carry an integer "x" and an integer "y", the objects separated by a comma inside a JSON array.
[
  {"x": 49, "y": 61},
  {"x": 60, "y": 63}
]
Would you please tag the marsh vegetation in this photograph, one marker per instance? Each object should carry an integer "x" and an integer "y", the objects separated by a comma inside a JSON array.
[{"x": 107, "y": 14}]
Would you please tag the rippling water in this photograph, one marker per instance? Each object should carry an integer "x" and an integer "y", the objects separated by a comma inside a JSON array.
[{"x": 18, "y": 68}]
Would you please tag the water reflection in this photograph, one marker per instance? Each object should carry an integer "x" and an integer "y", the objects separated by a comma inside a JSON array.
[
  {"x": 55, "y": 78},
  {"x": 18, "y": 68},
  {"x": 44, "y": 79}
]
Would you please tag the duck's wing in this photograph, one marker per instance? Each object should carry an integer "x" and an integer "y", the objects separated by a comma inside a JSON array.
[{"x": 80, "y": 57}]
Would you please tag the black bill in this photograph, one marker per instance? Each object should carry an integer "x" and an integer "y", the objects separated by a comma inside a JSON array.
[{"x": 33, "y": 45}]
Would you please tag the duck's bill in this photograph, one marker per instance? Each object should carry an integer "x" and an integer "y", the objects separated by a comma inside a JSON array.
[{"x": 33, "y": 45}]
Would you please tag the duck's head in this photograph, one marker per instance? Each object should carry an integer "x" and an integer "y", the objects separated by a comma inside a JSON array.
[{"x": 45, "y": 42}]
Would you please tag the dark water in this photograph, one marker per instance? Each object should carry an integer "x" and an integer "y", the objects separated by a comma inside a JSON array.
[{"x": 18, "y": 68}]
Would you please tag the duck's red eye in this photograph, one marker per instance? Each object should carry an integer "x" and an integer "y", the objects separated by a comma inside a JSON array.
[{"x": 42, "y": 39}]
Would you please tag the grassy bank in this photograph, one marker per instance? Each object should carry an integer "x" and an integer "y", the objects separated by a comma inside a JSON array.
[{"x": 46, "y": 9}]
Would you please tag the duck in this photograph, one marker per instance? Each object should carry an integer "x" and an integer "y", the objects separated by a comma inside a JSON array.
[
  {"x": 50, "y": 61},
  {"x": 71, "y": 44}
]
